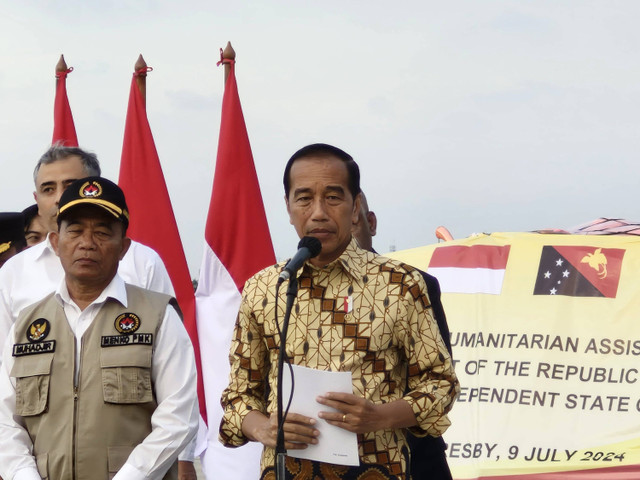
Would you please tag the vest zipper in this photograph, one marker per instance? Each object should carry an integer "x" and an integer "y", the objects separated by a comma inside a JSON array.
[
  {"x": 75, "y": 424},
  {"x": 76, "y": 383}
]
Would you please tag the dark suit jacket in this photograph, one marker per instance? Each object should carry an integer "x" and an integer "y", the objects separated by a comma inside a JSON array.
[{"x": 428, "y": 459}]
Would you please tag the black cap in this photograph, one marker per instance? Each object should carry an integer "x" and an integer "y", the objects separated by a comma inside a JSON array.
[
  {"x": 30, "y": 213},
  {"x": 11, "y": 231},
  {"x": 95, "y": 191}
]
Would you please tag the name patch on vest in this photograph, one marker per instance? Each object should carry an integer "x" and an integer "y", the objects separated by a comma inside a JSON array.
[
  {"x": 21, "y": 349},
  {"x": 133, "y": 339}
]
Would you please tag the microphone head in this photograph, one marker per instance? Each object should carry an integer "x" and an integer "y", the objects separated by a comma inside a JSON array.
[{"x": 312, "y": 244}]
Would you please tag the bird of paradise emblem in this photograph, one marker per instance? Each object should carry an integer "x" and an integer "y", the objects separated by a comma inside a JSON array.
[{"x": 598, "y": 261}]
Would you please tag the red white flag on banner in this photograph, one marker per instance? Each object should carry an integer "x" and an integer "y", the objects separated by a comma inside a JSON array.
[
  {"x": 470, "y": 269},
  {"x": 237, "y": 245},
  {"x": 64, "y": 130},
  {"x": 152, "y": 220}
]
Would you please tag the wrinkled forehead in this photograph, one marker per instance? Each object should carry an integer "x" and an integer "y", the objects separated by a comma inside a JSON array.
[{"x": 61, "y": 169}]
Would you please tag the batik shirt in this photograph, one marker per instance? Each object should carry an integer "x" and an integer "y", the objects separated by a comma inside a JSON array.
[{"x": 362, "y": 313}]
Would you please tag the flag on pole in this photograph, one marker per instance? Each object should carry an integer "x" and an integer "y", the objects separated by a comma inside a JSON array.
[
  {"x": 152, "y": 220},
  {"x": 237, "y": 245},
  {"x": 64, "y": 130}
]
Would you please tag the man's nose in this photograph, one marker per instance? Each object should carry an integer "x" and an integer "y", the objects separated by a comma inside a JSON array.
[
  {"x": 87, "y": 240},
  {"x": 318, "y": 209},
  {"x": 59, "y": 191}
]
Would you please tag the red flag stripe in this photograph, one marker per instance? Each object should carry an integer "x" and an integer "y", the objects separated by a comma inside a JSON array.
[
  {"x": 237, "y": 229},
  {"x": 475, "y": 256},
  {"x": 152, "y": 221},
  {"x": 64, "y": 130},
  {"x": 626, "y": 472}
]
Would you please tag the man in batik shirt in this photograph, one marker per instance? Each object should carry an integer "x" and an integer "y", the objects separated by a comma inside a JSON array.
[{"x": 355, "y": 311}]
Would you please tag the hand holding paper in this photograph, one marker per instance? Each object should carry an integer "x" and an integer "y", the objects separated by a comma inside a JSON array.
[{"x": 335, "y": 445}]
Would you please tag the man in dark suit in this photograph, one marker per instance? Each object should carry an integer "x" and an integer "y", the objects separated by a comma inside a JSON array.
[{"x": 428, "y": 458}]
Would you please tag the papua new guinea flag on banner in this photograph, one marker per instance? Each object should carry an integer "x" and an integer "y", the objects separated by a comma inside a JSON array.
[{"x": 579, "y": 271}]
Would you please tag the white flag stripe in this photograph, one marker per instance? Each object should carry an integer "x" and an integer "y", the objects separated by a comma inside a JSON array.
[
  {"x": 217, "y": 303},
  {"x": 469, "y": 280}
]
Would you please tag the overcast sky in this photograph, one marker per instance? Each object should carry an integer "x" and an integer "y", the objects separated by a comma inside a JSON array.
[{"x": 479, "y": 116}]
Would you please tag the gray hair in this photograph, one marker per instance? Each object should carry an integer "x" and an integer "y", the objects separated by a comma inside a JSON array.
[{"x": 57, "y": 151}]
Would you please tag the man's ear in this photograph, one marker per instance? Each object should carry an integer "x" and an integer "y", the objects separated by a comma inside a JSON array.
[
  {"x": 53, "y": 238},
  {"x": 126, "y": 243},
  {"x": 373, "y": 223},
  {"x": 355, "y": 214}
]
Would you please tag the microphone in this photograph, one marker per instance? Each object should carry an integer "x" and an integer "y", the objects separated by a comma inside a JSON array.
[{"x": 308, "y": 247}]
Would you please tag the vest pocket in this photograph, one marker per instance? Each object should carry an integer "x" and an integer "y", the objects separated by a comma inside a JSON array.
[
  {"x": 32, "y": 374},
  {"x": 116, "y": 458},
  {"x": 126, "y": 374}
]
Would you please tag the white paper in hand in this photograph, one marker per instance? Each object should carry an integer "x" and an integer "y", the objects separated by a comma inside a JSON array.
[{"x": 335, "y": 445}]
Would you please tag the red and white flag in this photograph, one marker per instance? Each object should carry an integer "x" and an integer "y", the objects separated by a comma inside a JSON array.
[
  {"x": 64, "y": 130},
  {"x": 470, "y": 269},
  {"x": 237, "y": 245},
  {"x": 152, "y": 220}
]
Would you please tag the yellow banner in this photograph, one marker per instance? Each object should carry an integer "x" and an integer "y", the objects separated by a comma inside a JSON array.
[{"x": 547, "y": 355}]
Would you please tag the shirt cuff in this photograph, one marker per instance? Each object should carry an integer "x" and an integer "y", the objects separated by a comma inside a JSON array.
[
  {"x": 188, "y": 454},
  {"x": 129, "y": 472},
  {"x": 27, "y": 473}
]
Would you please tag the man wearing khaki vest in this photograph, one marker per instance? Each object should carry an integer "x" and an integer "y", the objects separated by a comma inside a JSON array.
[{"x": 98, "y": 379}]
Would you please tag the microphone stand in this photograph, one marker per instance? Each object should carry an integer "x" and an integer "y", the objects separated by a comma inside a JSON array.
[{"x": 281, "y": 452}]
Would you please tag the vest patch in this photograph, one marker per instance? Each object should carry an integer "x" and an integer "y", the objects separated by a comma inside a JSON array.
[
  {"x": 38, "y": 330},
  {"x": 134, "y": 339},
  {"x": 127, "y": 323},
  {"x": 21, "y": 349}
]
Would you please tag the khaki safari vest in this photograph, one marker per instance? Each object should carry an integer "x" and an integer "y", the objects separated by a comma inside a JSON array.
[{"x": 88, "y": 430}]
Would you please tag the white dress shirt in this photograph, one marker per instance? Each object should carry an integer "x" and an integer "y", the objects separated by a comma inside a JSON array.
[
  {"x": 34, "y": 273},
  {"x": 174, "y": 422}
]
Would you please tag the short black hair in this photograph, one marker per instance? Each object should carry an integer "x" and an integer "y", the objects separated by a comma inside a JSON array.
[{"x": 323, "y": 149}]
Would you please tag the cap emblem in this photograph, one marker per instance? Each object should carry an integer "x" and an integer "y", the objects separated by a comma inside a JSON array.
[{"x": 90, "y": 190}]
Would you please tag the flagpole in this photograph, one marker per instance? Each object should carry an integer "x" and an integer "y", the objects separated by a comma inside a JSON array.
[
  {"x": 140, "y": 68},
  {"x": 228, "y": 54},
  {"x": 237, "y": 245},
  {"x": 61, "y": 67},
  {"x": 64, "y": 130}
]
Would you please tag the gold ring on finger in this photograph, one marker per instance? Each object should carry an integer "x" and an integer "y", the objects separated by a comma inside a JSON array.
[{"x": 344, "y": 418}]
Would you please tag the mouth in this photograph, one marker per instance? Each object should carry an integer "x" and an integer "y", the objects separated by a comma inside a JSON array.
[
  {"x": 320, "y": 233},
  {"x": 84, "y": 261}
]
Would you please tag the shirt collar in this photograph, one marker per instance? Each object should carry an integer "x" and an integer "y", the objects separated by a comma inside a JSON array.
[
  {"x": 353, "y": 261},
  {"x": 115, "y": 290},
  {"x": 43, "y": 248}
]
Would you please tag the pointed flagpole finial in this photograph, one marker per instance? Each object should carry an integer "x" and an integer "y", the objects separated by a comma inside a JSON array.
[
  {"x": 228, "y": 54},
  {"x": 61, "y": 66},
  {"x": 140, "y": 63},
  {"x": 140, "y": 72}
]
